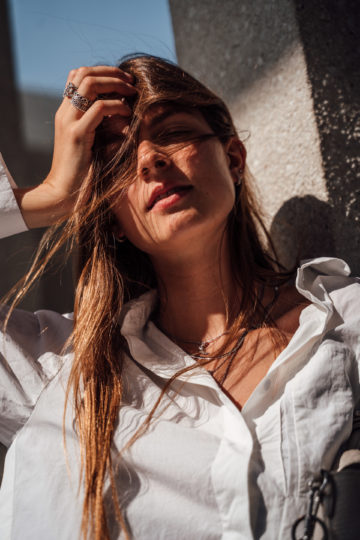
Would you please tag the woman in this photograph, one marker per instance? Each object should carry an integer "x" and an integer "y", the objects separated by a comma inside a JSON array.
[{"x": 197, "y": 388}]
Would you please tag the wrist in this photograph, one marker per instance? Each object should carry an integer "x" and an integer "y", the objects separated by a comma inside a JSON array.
[{"x": 42, "y": 206}]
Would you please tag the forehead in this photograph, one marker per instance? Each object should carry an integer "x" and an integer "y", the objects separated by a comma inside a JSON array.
[{"x": 158, "y": 114}]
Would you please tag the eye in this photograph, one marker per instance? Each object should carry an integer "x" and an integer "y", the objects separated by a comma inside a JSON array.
[{"x": 173, "y": 135}]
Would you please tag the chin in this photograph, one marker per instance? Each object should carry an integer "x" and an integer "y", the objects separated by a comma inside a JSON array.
[{"x": 186, "y": 232}]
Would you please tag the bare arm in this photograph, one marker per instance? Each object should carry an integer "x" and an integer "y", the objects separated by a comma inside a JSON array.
[{"x": 42, "y": 205}]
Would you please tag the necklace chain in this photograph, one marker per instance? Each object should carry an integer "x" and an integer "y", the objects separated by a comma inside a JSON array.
[
  {"x": 202, "y": 345},
  {"x": 227, "y": 356}
]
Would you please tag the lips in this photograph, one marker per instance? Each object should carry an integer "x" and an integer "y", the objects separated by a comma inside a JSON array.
[{"x": 162, "y": 192}]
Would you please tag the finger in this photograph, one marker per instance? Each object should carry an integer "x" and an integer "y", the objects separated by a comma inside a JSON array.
[
  {"x": 77, "y": 75},
  {"x": 92, "y": 86},
  {"x": 99, "y": 110}
]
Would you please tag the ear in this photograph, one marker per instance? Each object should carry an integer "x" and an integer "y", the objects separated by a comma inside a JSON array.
[
  {"x": 236, "y": 154},
  {"x": 118, "y": 232}
]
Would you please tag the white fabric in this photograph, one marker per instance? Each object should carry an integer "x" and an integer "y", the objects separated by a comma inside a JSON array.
[
  {"x": 204, "y": 470},
  {"x": 11, "y": 219}
]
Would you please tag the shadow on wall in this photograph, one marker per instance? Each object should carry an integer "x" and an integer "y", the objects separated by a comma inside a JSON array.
[
  {"x": 329, "y": 35},
  {"x": 303, "y": 229},
  {"x": 329, "y": 31},
  {"x": 240, "y": 43}
]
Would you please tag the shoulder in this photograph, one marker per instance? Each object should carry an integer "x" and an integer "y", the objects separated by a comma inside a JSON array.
[
  {"x": 58, "y": 325},
  {"x": 37, "y": 333},
  {"x": 31, "y": 355},
  {"x": 328, "y": 283},
  {"x": 331, "y": 288}
]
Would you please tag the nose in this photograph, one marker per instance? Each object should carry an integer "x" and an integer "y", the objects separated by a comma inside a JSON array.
[{"x": 151, "y": 160}]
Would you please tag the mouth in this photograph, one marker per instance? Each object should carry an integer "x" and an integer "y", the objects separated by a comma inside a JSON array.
[{"x": 168, "y": 193}]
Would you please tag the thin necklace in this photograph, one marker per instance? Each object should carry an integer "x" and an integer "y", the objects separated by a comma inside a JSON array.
[
  {"x": 231, "y": 359},
  {"x": 201, "y": 345},
  {"x": 227, "y": 356},
  {"x": 240, "y": 341}
]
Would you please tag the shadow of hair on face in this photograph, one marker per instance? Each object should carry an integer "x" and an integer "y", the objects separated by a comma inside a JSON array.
[{"x": 303, "y": 229}]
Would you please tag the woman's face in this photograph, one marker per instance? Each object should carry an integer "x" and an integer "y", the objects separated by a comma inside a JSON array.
[{"x": 184, "y": 188}]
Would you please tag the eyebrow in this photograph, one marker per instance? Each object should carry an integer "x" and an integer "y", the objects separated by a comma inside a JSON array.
[{"x": 160, "y": 117}]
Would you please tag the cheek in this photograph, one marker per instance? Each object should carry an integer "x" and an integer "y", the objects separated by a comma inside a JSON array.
[
  {"x": 196, "y": 155},
  {"x": 131, "y": 220},
  {"x": 126, "y": 212},
  {"x": 212, "y": 164}
]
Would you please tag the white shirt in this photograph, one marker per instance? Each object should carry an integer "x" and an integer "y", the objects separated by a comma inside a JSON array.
[{"x": 204, "y": 470}]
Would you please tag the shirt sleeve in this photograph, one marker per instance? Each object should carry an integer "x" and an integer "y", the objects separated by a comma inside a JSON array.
[
  {"x": 11, "y": 220},
  {"x": 31, "y": 349},
  {"x": 31, "y": 355}
]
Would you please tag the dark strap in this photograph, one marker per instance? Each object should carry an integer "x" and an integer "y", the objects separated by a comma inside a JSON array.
[
  {"x": 334, "y": 498},
  {"x": 344, "y": 504}
]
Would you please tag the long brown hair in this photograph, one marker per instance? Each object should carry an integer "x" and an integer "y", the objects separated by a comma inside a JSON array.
[{"x": 111, "y": 273}]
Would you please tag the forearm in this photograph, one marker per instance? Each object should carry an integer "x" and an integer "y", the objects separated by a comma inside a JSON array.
[{"x": 39, "y": 206}]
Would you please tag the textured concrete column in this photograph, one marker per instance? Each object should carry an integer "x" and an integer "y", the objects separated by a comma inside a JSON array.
[{"x": 289, "y": 70}]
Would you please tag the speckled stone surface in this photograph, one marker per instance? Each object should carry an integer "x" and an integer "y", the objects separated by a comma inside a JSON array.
[
  {"x": 330, "y": 36},
  {"x": 289, "y": 72}
]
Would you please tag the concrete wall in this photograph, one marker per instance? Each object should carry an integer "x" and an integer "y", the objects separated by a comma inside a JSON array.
[{"x": 289, "y": 70}]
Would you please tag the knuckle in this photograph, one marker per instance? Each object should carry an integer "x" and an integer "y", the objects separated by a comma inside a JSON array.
[
  {"x": 74, "y": 133},
  {"x": 99, "y": 106},
  {"x": 81, "y": 72},
  {"x": 87, "y": 84},
  {"x": 59, "y": 117},
  {"x": 72, "y": 74}
]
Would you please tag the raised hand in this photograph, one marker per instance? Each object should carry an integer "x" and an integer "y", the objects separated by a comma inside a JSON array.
[{"x": 75, "y": 123}]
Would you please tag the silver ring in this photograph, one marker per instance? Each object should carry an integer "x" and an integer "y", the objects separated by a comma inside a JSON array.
[
  {"x": 80, "y": 102},
  {"x": 70, "y": 88}
]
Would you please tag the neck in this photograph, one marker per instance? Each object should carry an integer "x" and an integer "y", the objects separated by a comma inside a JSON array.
[{"x": 195, "y": 292}]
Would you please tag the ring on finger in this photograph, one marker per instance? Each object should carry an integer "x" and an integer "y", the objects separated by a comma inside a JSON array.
[
  {"x": 80, "y": 102},
  {"x": 70, "y": 88}
]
